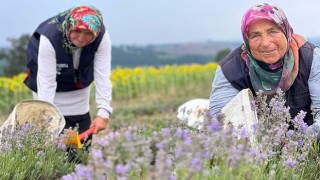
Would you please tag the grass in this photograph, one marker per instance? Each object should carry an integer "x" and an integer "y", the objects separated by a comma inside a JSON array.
[
  {"x": 151, "y": 111},
  {"x": 155, "y": 110}
]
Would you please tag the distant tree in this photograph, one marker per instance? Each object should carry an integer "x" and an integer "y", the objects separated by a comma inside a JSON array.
[
  {"x": 221, "y": 54},
  {"x": 15, "y": 56}
]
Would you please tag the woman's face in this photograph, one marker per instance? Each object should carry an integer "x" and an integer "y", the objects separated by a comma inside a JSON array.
[
  {"x": 267, "y": 42},
  {"x": 81, "y": 37}
]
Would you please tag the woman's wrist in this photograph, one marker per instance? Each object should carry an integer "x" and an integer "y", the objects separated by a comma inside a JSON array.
[{"x": 103, "y": 117}]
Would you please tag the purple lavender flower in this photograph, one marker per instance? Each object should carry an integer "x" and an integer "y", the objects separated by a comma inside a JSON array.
[
  {"x": 263, "y": 155},
  {"x": 196, "y": 164},
  {"x": 166, "y": 131},
  {"x": 121, "y": 169},
  {"x": 60, "y": 144},
  {"x": 96, "y": 154},
  {"x": 211, "y": 115},
  {"x": 84, "y": 172},
  {"x": 253, "y": 152},
  {"x": 206, "y": 154},
  {"x": 72, "y": 176},
  {"x": 214, "y": 126},
  {"x": 103, "y": 142},
  {"x": 159, "y": 145},
  {"x": 289, "y": 163},
  {"x": 290, "y": 133},
  {"x": 128, "y": 135},
  {"x": 3, "y": 147},
  {"x": 111, "y": 135},
  {"x": 168, "y": 163},
  {"x": 179, "y": 132},
  {"x": 187, "y": 139},
  {"x": 299, "y": 122},
  {"x": 108, "y": 164},
  {"x": 172, "y": 177},
  {"x": 255, "y": 127},
  {"x": 178, "y": 151},
  {"x": 244, "y": 133}
]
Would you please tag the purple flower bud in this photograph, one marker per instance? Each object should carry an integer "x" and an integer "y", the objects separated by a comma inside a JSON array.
[
  {"x": 166, "y": 131},
  {"x": 159, "y": 145},
  {"x": 196, "y": 164},
  {"x": 289, "y": 163},
  {"x": 128, "y": 136},
  {"x": 121, "y": 169}
]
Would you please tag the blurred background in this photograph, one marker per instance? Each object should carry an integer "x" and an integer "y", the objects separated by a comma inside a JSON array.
[
  {"x": 155, "y": 33},
  {"x": 145, "y": 22}
]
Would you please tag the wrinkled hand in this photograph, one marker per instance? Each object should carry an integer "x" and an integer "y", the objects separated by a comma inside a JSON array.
[{"x": 99, "y": 123}]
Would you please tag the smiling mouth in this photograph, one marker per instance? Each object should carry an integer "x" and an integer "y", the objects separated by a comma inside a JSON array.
[{"x": 268, "y": 52}]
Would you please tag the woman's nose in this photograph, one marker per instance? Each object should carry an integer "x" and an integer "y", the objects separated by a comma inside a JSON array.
[
  {"x": 265, "y": 40},
  {"x": 81, "y": 36}
]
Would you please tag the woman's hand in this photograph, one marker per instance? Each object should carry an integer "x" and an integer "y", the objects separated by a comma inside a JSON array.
[{"x": 100, "y": 124}]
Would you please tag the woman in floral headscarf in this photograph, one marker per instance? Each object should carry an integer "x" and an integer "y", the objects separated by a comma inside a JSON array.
[
  {"x": 272, "y": 57},
  {"x": 65, "y": 54}
]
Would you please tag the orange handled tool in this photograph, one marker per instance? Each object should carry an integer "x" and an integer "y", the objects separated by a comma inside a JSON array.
[
  {"x": 86, "y": 133},
  {"x": 72, "y": 137}
]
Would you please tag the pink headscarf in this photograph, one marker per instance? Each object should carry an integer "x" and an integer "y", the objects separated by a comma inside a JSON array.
[{"x": 268, "y": 12}]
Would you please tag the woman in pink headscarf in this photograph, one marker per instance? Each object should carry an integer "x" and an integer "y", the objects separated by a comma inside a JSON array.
[
  {"x": 271, "y": 57},
  {"x": 66, "y": 53}
]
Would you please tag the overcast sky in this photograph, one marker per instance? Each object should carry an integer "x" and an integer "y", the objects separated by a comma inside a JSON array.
[{"x": 142, "y": 22}]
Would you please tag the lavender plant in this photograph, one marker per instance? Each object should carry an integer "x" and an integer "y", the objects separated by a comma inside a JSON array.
[
  {"x": 214, "y": 152},
  {"x": 29, "y": 152}
]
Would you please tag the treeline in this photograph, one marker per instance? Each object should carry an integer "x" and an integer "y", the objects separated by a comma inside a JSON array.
[
  {"x": 132, "y": 56},
  {"x": 13, "y": 58}
]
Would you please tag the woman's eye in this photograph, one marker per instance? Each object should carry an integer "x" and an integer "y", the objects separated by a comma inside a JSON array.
[
  {"x": 253, "y": 36},
  {"x": 273, "y": 32},
  {"x": 77, "y": 31}
]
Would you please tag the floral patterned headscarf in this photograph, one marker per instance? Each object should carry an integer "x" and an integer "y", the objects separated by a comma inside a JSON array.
[
  {"x": 268, "y": 12},
  {"x": 273, "y": 76},
  {"x": 80, "y": 17}
]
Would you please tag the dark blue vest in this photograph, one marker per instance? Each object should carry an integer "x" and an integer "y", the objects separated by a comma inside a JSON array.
[
  {"x": 297, "y": 97},
  {"x": 68, "y": 79}
]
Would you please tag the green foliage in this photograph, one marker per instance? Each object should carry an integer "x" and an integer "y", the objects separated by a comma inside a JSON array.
[
  {"x": 15, "y": 57},
  {"x": 221, "y": 54}
]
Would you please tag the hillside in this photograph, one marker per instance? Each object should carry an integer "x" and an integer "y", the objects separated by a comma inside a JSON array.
[
  {"x": 175, "y": 53},
  {"x": 167, "y": 54},
  {"x": 207, "y": 48}
]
